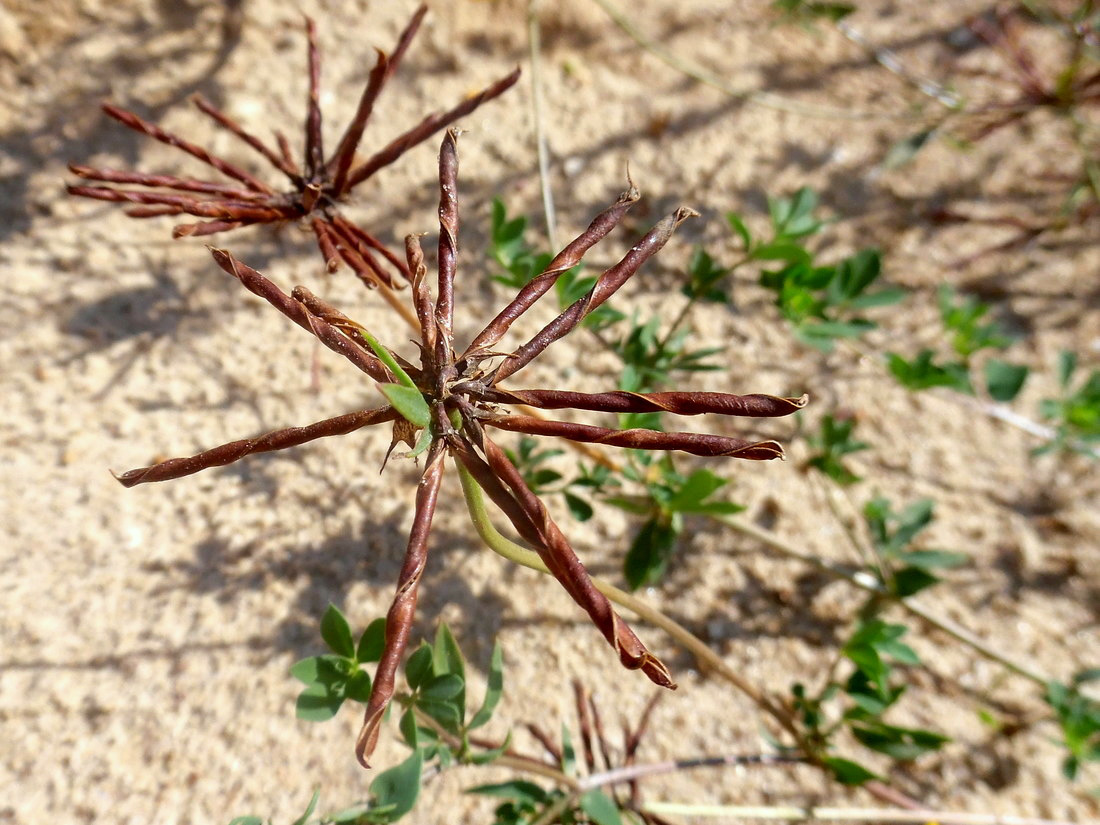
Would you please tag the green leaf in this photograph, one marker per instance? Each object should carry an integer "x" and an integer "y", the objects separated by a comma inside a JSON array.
[
  {"x": 442, "y": 688},
  {"x": 408, "y": 729},
  {"x": 1079, "y": 718},
  {"x": 336, "y": 633},
  {"x": 704, "y": 275},
  {"x": 964, "y": 319},
  {"x": 601, "y": 809},
  {"x": 903, "y": 744},
  {"x": 1091, "y": 674},
  {"x": 932, "y": 559},
  {"x": 317, "y": 669},
  {"x": 418, "y": 667},
  {"x": 318, "y": 703},
  {"x": 358, "y": 687},
  {"x": 519, "y": 789},
  {"x": 395, "y": 790},
  {"x": 310, "y": 808},
  {"x": 1004, "y": 380},
  {"x": 848, "y": 772},
  {"x": 910, "y": 580},
  {"x": 793, "y": 217},
  {"x": 372, "y": 642},
  {"x": 699, "y": 486},
  {"x": 580, "y": 509},
  {"x": 912, "y": 520},
  {"x": 834, "y": 441},
  {"x": 649, "y": 553},
  {"x": 447, "y": 661},
  {"x": 444, "y": 711},
  {"x": 782, "y": 251},
  {"x": 247, "y": 820},
  {"x": 568, "y": 755},
  {"x": 640, "y": 505},
  {"x": 408, "y": 401},
  {"x": 493, "y": 689},
  {"x": 854, "y": 274},
  {"x": 866, "y": 704},
  {"x": 898, "y": 650},
  {"x": 738, "y": 226},
  {"x": 386, "y": 357},
  {"x": 923, "y": 373},
  {"x": 1067, "y": 365},
  {"x": 882, "y": 298},
  {"x": 816, "y": 333}
]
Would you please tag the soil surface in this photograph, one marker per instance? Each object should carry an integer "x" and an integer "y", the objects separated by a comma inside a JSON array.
[{"x": 147, "y": 633}]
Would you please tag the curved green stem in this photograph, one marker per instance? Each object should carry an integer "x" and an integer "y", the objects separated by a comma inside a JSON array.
[
  {"x": 501, "y": 545},
  {"x": 475, "y": 503}
]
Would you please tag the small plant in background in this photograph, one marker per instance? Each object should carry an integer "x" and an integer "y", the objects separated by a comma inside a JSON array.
[
  {"x": 962, "y": 322},
  {"x": 858, "y": 703},
  {"x": 434, "y": 721},
  {"x": 595, "y": 782},
  {"x": 319, "y": 186},
  {"x": 1069, "y": 92},
  {"x": 821, "y": 302},
  {"x": 853, "y": 706},
  {"x": 668, "y": 497},
  {"x": 901, "y": 570},
  {"x": 832, "y": 442},
  {"x": 1078, "y": 717},
  {"x": 1076, "y": 415}
]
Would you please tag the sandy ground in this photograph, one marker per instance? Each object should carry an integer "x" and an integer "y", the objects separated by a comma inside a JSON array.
[{"x": 146, "y": 633}]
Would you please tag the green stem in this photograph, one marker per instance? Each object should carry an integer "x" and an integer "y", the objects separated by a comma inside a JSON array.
[
  {"x": 693, "y": 300},
  {"x": 475, "y": 502},
  {"x": 554, "y": 812}
]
